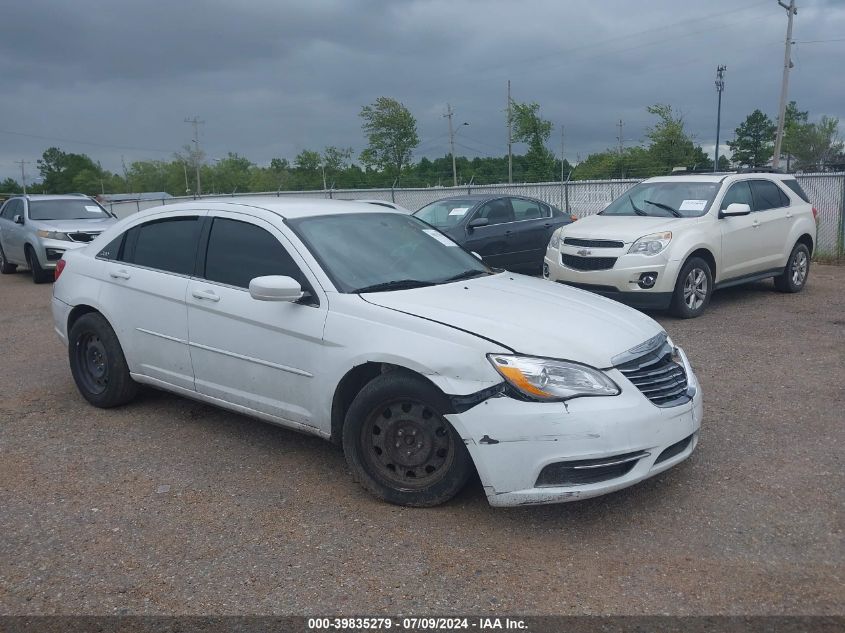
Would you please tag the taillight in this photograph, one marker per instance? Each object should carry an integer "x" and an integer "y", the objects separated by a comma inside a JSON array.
[
  {"x": 60, "y": 266},
  {"x": 815, "y": 213}
]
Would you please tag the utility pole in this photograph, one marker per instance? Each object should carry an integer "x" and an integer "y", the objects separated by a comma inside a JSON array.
[
  {"x": 195, "y": 121},
  {"x": 23, "y": 173},
  {"x": 621, "y": 150},
  {"x": 448, "y": 115},
  {"x": 791, "y": 11},
  {"x": 561, "y": 168},
  {"x": 510, "y": 137},
  {"x": 720, "y": 86}
]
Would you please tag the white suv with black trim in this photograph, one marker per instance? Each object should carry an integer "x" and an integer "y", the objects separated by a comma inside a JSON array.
[{"x": 668, "y": 242}]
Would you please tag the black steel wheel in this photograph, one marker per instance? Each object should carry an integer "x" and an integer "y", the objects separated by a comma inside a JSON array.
[
  {"x": 97, "y": 362},
  {"x": 398, "y": 444}
]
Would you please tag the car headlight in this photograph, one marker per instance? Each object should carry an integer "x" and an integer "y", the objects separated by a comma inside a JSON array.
[
  {"x": 547, "y": 379},
  {"x": 555, "y": 241},
  {"x": 651, "y": 244},
  {"x": 54, "y": 235}
]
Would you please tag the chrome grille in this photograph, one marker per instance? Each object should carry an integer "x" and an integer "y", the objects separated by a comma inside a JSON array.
[
  {"x": 658, "y": 377},
  {"x": 577, "y": 241}
]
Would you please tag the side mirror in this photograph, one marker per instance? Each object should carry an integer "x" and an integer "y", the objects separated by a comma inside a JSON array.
[
  {"x": 18, "y": 219},
  {"x": 275, "y": 288},
  {"x": 474, "y": 224},
  {"x": 735, "y": 209}
]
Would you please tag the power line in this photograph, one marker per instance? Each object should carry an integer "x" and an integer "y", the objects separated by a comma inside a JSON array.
[{"x": 78, "y": 142}]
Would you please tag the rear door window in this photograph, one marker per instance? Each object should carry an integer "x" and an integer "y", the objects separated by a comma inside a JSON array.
[
  {"x": 767, "y": 195},
  {"x": 169, "y": 245},
  {"x": 239, "y": 251},
  {"x": 529, "y": 209}
]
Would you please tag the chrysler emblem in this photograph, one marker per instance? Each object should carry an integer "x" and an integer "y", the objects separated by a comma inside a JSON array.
[{"x": 584, "y": 252}]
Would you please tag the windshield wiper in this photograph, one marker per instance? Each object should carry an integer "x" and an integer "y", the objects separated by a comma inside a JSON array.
[
  {"x": 636, "y": 210},
  {"x": 467, "y": 274},
  {"x": 664, "y": 206},
  {"x": 398, "y": 284}
]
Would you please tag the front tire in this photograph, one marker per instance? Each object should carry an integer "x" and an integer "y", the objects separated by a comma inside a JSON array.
[
  {"x": 39, "y": 275},
  {"x": 797, "y": 269},
  {"x": 97, "y": 363},
  {"x": 693, "y": 289},
  {"x": 400, "y": 447},
  {"x": 5, "y": 267}
]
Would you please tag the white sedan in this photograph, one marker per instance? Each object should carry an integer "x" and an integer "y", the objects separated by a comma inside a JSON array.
[{"x": 372, "y": 329}]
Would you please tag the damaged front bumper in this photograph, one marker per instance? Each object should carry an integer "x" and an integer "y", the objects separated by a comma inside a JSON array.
[{"x": 536, "y": 453}]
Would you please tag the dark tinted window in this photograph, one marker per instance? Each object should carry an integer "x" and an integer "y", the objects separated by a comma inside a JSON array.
[
  {"x": 238, "y": 252},
  {"x": 496, "y": 211},
  {"x": 793, "y": 184},
  {"x": 767, "y": 195},
  {"x": 114, "y": 249},
  {"x": 169, "y": 245},
  {"x": 529, "y": 209},
  {"x": 739, "y": 193}
]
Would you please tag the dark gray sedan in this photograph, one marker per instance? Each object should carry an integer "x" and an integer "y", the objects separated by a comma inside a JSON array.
[{"x": 510, "y": 232}]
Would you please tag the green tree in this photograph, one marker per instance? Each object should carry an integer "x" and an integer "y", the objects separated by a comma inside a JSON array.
[
  {"x": 335, "y": 161},
  {"x": 817, "y": 145},
  {"x": 530, "y": 128},
  {"x": 70, "y": 173},
  {"x": 670, "y": 146},
  {"x": 10, "y": 185},
  {"x": 753, "y": 145},
  {"x": 794, "y": 119},
  {"x": 391, "y": 132}
]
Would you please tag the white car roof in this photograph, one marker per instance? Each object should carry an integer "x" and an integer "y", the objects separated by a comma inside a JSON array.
[
  {"x": 720, "y": 176},
  {"x": 284, "y": 207}
]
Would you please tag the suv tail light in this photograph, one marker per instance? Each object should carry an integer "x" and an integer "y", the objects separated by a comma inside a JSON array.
[
  {"x": 815, "y": 214},
  {"x": 60, "y": 266}
]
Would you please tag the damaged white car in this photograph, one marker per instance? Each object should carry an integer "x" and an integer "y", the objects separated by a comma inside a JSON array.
[{"x": 372, "y": 329}]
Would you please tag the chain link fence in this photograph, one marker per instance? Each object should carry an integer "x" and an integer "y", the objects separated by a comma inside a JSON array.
[{"x": 578, "y": 197}]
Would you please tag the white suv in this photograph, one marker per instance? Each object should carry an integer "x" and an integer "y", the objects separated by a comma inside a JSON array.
[{"x": 668, "y": 242}]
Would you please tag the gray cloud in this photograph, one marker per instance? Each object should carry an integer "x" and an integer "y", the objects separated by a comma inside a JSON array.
[{"x": 273, "y": 78}]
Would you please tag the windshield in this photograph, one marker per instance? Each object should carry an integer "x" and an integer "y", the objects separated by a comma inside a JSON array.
[
  {"x": 82, "y": 209},
  {"x": 665, "y": 199},
  {"x": 444, "y": 214},
  {"x": 371, "y": 252}
]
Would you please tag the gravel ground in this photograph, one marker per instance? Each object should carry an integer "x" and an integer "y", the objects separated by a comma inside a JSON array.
[{"x": 170, "y": 506}]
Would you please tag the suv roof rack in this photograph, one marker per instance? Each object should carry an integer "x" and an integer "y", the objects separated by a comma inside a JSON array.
[
  {"x": 759, "y": 170},
  {"x": 679, "y": 171}
]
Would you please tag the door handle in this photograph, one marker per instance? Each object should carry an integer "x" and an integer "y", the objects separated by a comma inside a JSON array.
[
  {"x": 205, "y": 295},
  {"x": 119, "y": 274},
  {"x": 755, "y": 224}
]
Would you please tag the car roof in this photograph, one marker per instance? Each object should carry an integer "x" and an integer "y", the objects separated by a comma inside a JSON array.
[
  {"x": 722, "y": 176},
  {"x": 287, "y": 208}
]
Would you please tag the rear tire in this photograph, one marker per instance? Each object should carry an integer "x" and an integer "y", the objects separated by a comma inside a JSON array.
[
  {"x": 797, "y": 269},
  {"x": 400, "y": 447},
  {"x": 5, "y": 267},
  {"x": 693, "y": 289},
  {"x": 97, "y": 363},
  {"x": 39, "y": 275}
]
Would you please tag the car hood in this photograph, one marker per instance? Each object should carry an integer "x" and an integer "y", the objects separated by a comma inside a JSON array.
[
  {"x": 627, "y": 228},
  {"x": 70, "y": 226},
  {"x": 530, "y": 316}
]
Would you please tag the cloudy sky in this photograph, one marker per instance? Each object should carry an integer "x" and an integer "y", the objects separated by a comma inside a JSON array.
[{"x": 116, "y": 79}]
